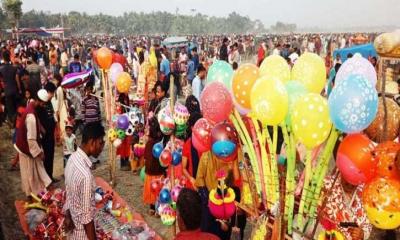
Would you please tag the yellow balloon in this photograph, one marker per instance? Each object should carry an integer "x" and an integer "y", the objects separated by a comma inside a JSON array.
[
  {"x": 275, "y": 67},
  {"x": 333, "y": 233},
  {"x": 310, "y": 120},
  {"x": 382, "y": 219},
  {"x": 310, "y": 70},
  {"x": 124, "y": 82},
  {"x": 269, "y": 101}
]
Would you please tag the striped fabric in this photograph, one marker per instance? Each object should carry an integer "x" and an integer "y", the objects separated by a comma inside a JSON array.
[
  {"x": 80, "y": 187},
  {"x": 91, "y": 109}
]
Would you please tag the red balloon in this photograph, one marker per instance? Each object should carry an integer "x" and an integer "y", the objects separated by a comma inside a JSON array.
[
  {"x": 385, "y": 154},
  {"x": 201, "y": 135},
  {"x": 155, "y": 186},
  {"x": 216, "y": 102},
  {"x": 119, "y": 58},
  {"x": 165, "y": 158},
  {"x": 355, "y": 160}
]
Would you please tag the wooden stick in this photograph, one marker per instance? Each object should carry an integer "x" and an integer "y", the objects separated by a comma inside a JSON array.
[{"x": 172, "y": 139}]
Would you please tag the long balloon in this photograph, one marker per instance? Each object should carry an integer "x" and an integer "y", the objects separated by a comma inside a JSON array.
[{"x": 73, "y": 80}]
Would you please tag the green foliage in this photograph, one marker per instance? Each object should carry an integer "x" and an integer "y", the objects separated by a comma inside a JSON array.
[
  {"x": 143, "y": 23},
  {"x": 13, "y": 10},
  {"x": 281, "y": 27}
]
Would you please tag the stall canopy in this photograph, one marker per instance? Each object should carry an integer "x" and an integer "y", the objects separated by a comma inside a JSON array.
[
  {"x": 366, "y": 50},
  {"x": 175, "y": 42}
]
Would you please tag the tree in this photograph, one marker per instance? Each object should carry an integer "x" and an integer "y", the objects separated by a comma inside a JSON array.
[{"x": 13, "y": 9}]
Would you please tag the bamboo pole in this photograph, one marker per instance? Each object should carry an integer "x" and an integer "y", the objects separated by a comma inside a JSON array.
[{"x": 172, "y": 139}]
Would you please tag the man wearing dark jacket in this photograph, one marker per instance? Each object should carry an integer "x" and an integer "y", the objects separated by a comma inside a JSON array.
[{"x": 223, "y": 51}]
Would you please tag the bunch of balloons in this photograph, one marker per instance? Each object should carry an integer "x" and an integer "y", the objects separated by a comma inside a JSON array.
[
  {"x": 171, "y": 154},
  {"x": 125, "y": 125},
  {"x": 167, "y": 197}
]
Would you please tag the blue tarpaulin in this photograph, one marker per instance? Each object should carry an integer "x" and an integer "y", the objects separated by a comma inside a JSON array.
[{"x": 366, "y": 50}]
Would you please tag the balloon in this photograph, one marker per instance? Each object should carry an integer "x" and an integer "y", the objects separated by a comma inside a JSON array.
[
  {"x": 121, "y": 134},
  {"x": 104, "y": 58},
  {"x": 112, "y": 135},
  {"x": 175, "y": 193},
  {"x": 359, "y": 66},
  {"x": 275, "y": 67},
  {"x": 385, "y": 154},
  {"x": 229, "y": 158},
  {"x": 119, "y": 59},
  {"x": 295, "y": 91},
  {"x": 164, "y": 196},
  {"x": 353, "y": 104},
  {"x": 181, "y": 114},
  {"x": 310, "y": 70},
  {"x": 381, "y": 201},
  {"x": 355, "y": 160},
  {"x": 310, "y": 120},
  {"x": 224, "y": 140},
  {"x": 130, "y": 130},
  {"x": 176, "y": 158},
  {"x": 168, "y": 216},
  {"x": 222, "y": 72},
  {"x": 155, "y": 186},
  {"x": 216, "y": 102},
  {"x": 142, "y": 173},
  {"x": 124, "y": 82},
  {"x": 165, "y": 158},
  {"x": 269, "y": 101},
  {"x": 180, "y": 130},
  {"x": 157, "y": 149},
  {"x": 243, "y": 80},
  {"x": 375, "y": 129},
  {"x": 123, "y": 122},
  {"x": 117, "y": 142},
  {"x": 115, "y": 70},
  {"x": 167, "y": 123}
]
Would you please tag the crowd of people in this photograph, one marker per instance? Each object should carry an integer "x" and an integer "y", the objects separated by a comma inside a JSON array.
[{"x": 42, "y": 114}]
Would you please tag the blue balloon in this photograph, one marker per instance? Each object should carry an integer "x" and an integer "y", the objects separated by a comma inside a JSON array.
[
  {"x": 176, "y": 158},
  {"x": 353, "y": 104},
  {"x": 164, "y": 196},
  {"x": 223, "y": 148},
  {"x": 157, "y": 149}
]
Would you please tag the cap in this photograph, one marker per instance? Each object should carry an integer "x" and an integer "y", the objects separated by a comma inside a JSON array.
[{"x": 43, "y": 95}]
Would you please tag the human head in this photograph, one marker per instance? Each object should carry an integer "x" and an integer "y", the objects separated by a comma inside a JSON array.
[
  {"x": 93, "y": 139},
  {"x": 88, "y": 88},
  {"x": 68, "y": 130},
  {"x": 201, "y": 72},
  {"x": 234, "y": 66},
  {"x": 41, "y": 98},
  {"x": 189, "y": 210},
  {"x": 76, "y": 57},
  {"x": 350, "y": 55},
  {"x": 192, "y": 104},
  {"x": 50, "y": 88},
  {"x": 160, "y": 91}
]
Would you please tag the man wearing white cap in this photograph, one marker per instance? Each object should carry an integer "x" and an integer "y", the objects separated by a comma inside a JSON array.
[{"x": 28, "y": 144}]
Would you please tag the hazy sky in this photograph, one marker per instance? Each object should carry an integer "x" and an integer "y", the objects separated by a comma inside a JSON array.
[{"x": 321, "y": 13}]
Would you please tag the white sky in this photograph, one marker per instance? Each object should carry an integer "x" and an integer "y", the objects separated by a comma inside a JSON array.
[{"x": 306, "y": 13}]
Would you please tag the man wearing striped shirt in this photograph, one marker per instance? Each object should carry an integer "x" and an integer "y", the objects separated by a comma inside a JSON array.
[
  {"x": 80, "y": 186},
  {"x": 90, "y": 105}
]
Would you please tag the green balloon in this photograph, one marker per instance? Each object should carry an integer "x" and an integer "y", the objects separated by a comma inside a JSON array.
[
  {"x": 295, "y": 90},
  {"x": 220, "y": 71},
  {"x": 121, "y": 134},
  {"x": 142, "y": 173}
]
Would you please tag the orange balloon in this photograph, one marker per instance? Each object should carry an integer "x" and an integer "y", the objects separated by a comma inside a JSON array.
[
  {"x": 104, "y": 58},
  {"x": 382, "y": 193},
  {"x": 242, "y": 83},
  {"x": 124, "y": 82},
  {"x": 385, "y": 154},
  {"x": 355, "y": 160}
]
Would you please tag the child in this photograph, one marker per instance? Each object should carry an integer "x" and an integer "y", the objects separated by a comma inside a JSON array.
[{"x": 69, "y": 142}]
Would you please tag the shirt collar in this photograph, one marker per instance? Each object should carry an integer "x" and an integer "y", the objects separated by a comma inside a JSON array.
[{"x": 85, "y": 157}]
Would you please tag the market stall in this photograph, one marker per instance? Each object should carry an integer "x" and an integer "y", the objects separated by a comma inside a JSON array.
[{"x": 114, "y": 218}]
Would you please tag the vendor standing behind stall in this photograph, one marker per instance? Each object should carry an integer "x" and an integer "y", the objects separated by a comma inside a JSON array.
[{"x": 80, "y": 186}]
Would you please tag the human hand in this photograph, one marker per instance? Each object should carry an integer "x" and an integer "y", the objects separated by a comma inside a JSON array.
[{"x": 356, "y": 233}]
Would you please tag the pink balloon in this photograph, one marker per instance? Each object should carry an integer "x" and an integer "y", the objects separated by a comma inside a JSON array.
[
  {"x": 216, "y": 102},
  {"x": 115, "y": 70},
  {"x": 199, "y": 145},
  {"x": 349, "y": 170}
]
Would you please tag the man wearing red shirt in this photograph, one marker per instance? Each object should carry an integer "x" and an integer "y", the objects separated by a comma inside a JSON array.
[{"x": 189, "y": 217}]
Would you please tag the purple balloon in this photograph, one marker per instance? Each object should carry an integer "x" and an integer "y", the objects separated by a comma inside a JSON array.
[{"x": 123, "y": 122}]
